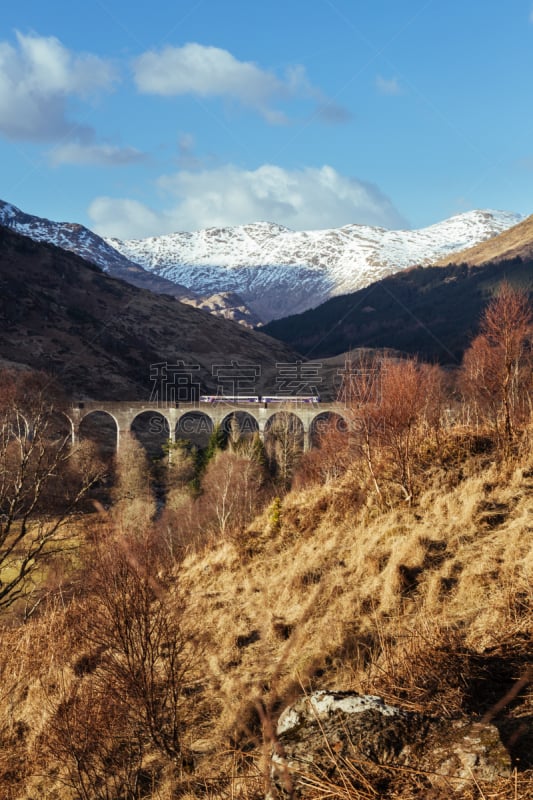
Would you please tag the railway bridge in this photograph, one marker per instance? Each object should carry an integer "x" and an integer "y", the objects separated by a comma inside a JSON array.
[{"x": 195, "y": 421}]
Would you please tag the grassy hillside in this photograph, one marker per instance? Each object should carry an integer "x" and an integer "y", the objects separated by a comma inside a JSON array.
[
  {"x": 157, "y": 642},
  {"x": 429, "y": 606},
  {"x": 513, "y": 243}
]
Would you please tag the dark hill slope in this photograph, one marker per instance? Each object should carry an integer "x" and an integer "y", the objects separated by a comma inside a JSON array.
[
  {"x": 432, "y": 311},
  {"x": 99, "y": 335}
]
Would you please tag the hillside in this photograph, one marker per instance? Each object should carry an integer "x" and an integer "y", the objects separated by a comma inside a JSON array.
[
  {"x": 99, "y": 335},
  {"x": 517, "y": 242},
  {"x": 432, "y": 311},
  {"x": 428, "y": 607},
  {"x": 80, "y": 240},
  {"x": 167, "y": 640}
]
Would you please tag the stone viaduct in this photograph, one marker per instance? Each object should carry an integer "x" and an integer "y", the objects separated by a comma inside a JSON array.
[{"x": 188, "y": 419}]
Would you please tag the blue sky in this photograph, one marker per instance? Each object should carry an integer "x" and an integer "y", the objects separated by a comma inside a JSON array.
[{"x": 140, "y": 119}]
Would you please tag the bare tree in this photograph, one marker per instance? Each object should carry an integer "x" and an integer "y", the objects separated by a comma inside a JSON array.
[
  {"x": 136, "y": 699},
  {"x": 42, "y": 479},
  {"x": 284, "y": 445},
  {"x": 496, "y": 367},
  {"x": 97, "y": 744},
  {"x": 133, "y": 496},
  {"x": 331, "y": 456},
  {"x": 231, "y": 488},
  {"x": 132, "y": 479},
  {"x": 395, "y": 404},
  {"x": 181, "y": 464},
  {"x": 146, "y": 654},
  {"x": 402, "y": 407}
]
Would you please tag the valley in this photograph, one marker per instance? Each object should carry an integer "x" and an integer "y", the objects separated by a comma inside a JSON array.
[
  {"x": 193, "y": 544},
  {"x": 266, "y": 400}
]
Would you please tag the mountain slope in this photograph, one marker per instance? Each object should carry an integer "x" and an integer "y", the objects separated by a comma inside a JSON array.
[
  {"x": 80, "y": 240},
  {"x": 517, "y": 241},
  {"x": 225, "y": 304},
  {"x": 431, "y": 311},
  {"x": 262, "y": 271},
  {"x": 278, "y": 271},
  {"x": 100, "y": 335}
]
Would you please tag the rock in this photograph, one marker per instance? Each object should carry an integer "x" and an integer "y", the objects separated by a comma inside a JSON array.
[{"x": 337, "y": 736}]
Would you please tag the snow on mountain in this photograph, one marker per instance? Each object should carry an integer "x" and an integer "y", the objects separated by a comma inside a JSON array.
[
  {"x": 278, "y": 271},
  {"x": 67, "y": 235},
  {"x": 273, "y": 271},
  {"x": 85, "y": 243}
]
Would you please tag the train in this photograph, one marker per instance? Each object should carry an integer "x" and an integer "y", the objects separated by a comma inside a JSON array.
[{"x": 246, "y": 399}]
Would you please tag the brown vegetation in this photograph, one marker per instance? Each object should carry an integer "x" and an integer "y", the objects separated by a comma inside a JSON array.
[
  {"x": 42, "y": 479},
  {"x": 497, "y": 366},
  {"x": 399, "y": 564},
  {"x": 516, "y": 241}
]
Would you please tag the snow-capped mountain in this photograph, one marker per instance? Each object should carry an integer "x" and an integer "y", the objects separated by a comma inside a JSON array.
[
  {"x": 278, "y": 271},
  {"x": 264, "y": 267},
  {"x": 85, "y": 243}
]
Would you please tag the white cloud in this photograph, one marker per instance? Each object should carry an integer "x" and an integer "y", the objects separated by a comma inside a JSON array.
[
  {"x": 197, "y": 69},
  {"x": 85, "y": 153},
  {"x": 123, "y": 218},
  {"x": 213, "y": 72},
  {"x": 389, "y": 86},
  {"x": 302, "y": 199},
  {"x": 37, "y": 76}
]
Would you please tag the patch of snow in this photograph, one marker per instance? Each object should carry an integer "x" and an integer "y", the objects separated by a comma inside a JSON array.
[{"x": 322, "y": 704}]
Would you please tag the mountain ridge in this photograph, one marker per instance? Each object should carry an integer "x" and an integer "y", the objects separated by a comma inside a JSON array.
[
  {"x": 514, "y": 242},
  {"x": 261, "y": 271},
  {"x": 277, "y": 270},
  {"x": 432, "y": 312},
  {"x": 76, "y": 238}
]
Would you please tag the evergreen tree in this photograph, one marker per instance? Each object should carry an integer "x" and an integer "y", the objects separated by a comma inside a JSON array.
[{"x": 217, "y": 441}]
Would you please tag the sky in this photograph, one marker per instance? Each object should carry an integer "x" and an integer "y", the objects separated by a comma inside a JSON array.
[{"x": 138, "y": 119}]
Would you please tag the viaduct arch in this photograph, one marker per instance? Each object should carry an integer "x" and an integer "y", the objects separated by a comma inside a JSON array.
[{"x": 179, "y": 421}]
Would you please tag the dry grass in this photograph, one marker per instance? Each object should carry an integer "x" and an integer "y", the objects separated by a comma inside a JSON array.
[
  {"x": 510, "y": 243},
  {"x": 430, "y": 607},
  {"x": 421, "y": 606}
]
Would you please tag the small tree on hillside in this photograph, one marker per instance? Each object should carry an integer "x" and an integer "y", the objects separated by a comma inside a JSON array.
[
  {"x": 330, "y": 459},
  {"x": 132, "y": 470},
  {"x": 42, "y": 478},
  {"x": 394, "y": 408},
  {"x": 400, "y": 411},
  {"x": 139, "y": 685},
  {"x": 181, "y": 464},
  {"x": 284, "y": 446},
  {"x": 217, "y": 442},
  {"x": 496, "y": 367},
  {"x": 231, "y": 488},
  {"x": 132, "y": 493}
]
